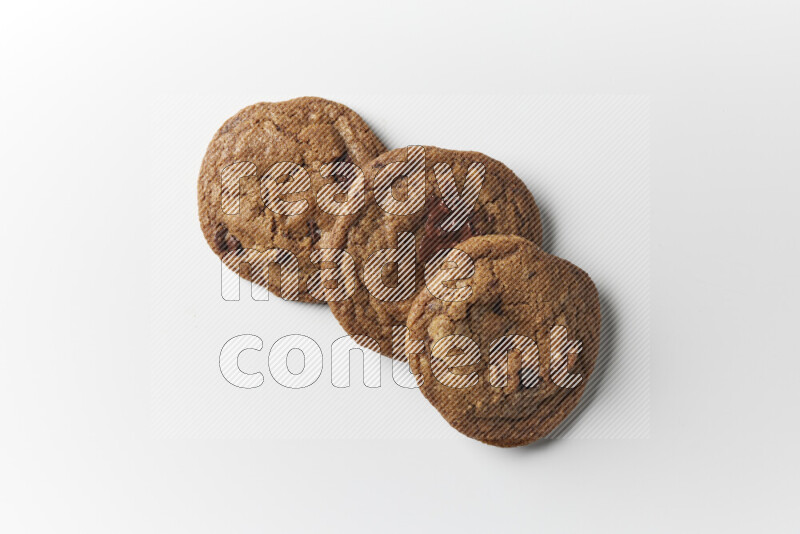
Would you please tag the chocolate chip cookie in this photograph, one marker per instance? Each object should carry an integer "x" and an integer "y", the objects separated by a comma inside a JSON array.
[
  {"x": 260, "y": 179},
  {"x": 419, "y": 201},
  {"x": 507, "y": 360}
]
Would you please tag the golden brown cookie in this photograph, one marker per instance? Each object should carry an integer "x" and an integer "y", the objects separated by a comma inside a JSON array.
[
  {"x": 496, "y": 202},
  {"x": 262, "y": 167},
  {"x": 507, "y": 363}
]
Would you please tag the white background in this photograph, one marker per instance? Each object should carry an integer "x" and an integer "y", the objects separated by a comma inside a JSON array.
[{"x": 78, "y": 449}]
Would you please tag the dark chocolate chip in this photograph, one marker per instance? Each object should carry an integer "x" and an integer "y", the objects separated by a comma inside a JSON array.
[
  {"x": 224, "y": 241},
  {"x": 313, "y": 231},
  {"x": 497, "y": 306}
]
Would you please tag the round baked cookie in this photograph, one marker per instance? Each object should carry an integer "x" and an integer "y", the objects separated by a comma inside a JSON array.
[
  {"x": 501, "y": 204},
  {"x": 275, "y": 149},
  {"x": 509, "y": 362}
]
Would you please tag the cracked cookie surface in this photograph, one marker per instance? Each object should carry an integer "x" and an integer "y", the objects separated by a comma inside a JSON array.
[
  {"x": 519, "y": 393},
  {"x": 503, "y": 206},
  {"x": 308, "y": 132}
]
